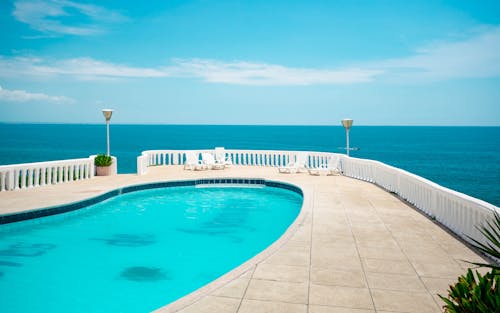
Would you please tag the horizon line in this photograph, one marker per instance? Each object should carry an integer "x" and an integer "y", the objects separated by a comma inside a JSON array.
[{"x": 265, "y": 125}]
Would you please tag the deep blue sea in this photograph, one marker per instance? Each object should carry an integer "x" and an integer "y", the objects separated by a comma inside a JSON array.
[{"x": 466, "y": 159}]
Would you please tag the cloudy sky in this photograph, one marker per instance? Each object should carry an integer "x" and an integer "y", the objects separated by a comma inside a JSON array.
[{"x": 251, "y": 62}]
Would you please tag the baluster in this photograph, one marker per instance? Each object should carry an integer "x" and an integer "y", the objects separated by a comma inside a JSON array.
[
  {"x": 3, "y": 185},
  {"x": 49, "y": 175},
  {"x": 28, "y": 178},
  {"x": 58, "y": 174},
  {"x": 43, "y": 176},
  {"x": 23, "y": 178},
  {"x": 37, "y": 177},
  {"x": 89, "y": 170}
]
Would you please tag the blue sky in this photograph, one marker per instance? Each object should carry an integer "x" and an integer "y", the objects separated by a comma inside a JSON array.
[{"x": 251, "y": 62}]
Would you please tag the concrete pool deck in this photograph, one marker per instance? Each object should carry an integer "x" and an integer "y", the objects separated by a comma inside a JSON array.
[{"x": 355, "y": 248}]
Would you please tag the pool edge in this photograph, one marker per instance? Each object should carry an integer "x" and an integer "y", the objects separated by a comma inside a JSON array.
[{"x": 235, "y": 273}]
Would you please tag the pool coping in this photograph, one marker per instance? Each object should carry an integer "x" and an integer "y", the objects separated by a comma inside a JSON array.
[{"x": 199, "y": 293}]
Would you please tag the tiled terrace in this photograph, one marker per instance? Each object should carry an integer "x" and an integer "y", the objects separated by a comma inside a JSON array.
[{"x": 354, "y": 249}]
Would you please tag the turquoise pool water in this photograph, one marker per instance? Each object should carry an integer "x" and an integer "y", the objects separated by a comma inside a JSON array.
[{"x": 138, "y": 251}]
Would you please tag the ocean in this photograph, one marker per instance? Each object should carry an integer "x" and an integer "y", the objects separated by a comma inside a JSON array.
[{"x": 466, "y": 159}]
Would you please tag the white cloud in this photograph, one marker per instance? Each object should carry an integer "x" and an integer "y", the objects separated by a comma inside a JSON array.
[
  {"x": 79, "y": 68},
  {"x": 475, "y": 57},
  {"x": 25, "y": 96},
  {"x": 212, "y": 71},
  {"x": 248, "y": 73},
  {"x": 48, "y": 16}
]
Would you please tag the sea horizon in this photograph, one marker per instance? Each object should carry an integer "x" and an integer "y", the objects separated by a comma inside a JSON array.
[{"x": 210, "y": 124}]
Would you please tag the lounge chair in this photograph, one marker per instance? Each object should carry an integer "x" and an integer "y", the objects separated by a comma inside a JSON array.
[
  {"x": 330, "y": 168},
  {"x": 295, "y": 166},
  {"x": 209, "y": 161},
  {"x": 220, "y": 157},
  {"x": 193, "y": 162}
]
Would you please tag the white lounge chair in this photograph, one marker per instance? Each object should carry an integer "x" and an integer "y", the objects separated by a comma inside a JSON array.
[
  {"x": 208, "y": 160},
  {"x": 295, "y": 166},
  {"x": 332, "y": 167},
  {"x": 193, "y": 162},
  {"x": 220, "y": 157}
]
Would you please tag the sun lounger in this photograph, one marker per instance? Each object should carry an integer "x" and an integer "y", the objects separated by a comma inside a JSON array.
[
  {"x": 296, "y": 166},
  {"x": 220, "y": 157},
  {"x": 208, "y": 160},
  {"x": 193, "y": 162},
  {"x": 330, "y": 168}
]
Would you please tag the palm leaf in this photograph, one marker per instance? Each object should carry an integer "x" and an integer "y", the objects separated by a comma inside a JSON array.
[{"x": 491, "y": 231}]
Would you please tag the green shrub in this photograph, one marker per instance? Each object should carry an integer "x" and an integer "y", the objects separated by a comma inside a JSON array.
[
  {"x": 103, "y": 160},
  {"x": 491, "y": 231},
  {"x": 471, "y": 295},
  {"x": 476, "y": 293}
]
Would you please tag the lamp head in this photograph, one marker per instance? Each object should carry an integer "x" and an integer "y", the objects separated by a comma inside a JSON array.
[
  {"x": 347, "y": 123},
  {"x": 107, "y": 114}
]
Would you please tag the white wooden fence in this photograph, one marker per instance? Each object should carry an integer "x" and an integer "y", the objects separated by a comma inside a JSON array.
[
  {"x": 30, "y": 175},
  {"x": 457, "y": 211}
]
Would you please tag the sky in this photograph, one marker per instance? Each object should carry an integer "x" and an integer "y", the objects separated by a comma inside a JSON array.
[{"x": 256, "y": 62}]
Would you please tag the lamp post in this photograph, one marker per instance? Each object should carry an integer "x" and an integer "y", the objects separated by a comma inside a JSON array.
[
  {"x": 107, "y": 115},
  {"x": 347, "y": 123}
]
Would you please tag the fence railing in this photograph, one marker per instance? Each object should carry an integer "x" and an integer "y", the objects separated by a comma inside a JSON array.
[
  {"x": 457, "y": 211},
  {"x": 30, "y": 175},
  {"x": 269, "y": 158}
]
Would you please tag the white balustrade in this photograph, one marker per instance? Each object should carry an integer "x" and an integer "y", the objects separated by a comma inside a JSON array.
[
  {"x": 30, "y": 175},
  {"x": 457, "y": 211}
]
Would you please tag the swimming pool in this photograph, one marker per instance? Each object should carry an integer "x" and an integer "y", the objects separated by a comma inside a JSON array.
[{"x": 138, "y": 251}]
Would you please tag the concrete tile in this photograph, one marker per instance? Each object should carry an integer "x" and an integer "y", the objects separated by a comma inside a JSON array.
[
  {"x": 333, "y": 237},
  {"x": 381, "y": 241},
  {"x": 399, "y": 301},
  {"x": 387, "y": 266},
  {"x": 234, "y": 289},
  {"x": 438, "y": 285},
  {"x": 268, "y": 290},
  {"x": 381, "y": 253},
  {"x": 427, "y": 255},
  {"x": 335, "y": 249},
  {"x": 339, "y": 278},
  {"x": 395, "y": 282},
  {"x": 212, "y": 304},
  {"x": 441, "y": 270},
  {"x": 256, "y": 306},
  {"x": 340, "y": 296},
  {"x": 324, "y": 228},
  {"x": 343, "y": 263},
  {"x": 332, "y": 309},
  {"x": 248, "y": 274},
  {"x": 291, "y": 255},
  {"x": 281, "y": 272}
]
